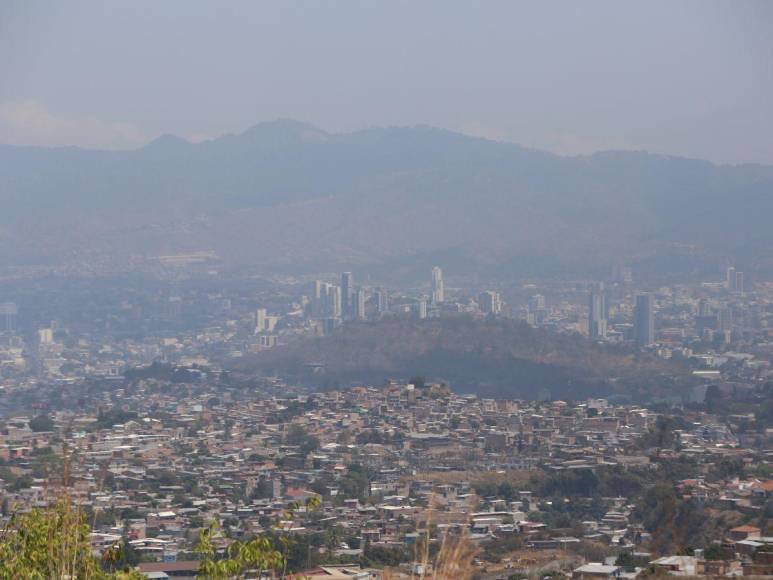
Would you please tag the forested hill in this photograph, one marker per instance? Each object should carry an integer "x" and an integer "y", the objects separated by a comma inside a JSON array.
[{"x": 489, "y": 357}]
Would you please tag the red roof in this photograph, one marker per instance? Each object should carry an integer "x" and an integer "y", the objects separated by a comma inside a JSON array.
[
  {"x": 745, "y": 529},
  {"x": 298, "y": 492}
]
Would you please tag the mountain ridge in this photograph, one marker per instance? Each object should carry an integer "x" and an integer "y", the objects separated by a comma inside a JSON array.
[
  {"x": 493, "y": 201},
  {"x": 289, "y": 123}
]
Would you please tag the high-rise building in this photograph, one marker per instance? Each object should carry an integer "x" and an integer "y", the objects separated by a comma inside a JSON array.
[
  {"x": 421, "y": 309},
  {"x": 336, "y": 309},
  {"x": 730, "y": 279},
  {"x": 324, "y": 300},
  {"x": 8, "y": 316},
  {"x": 316, "y": 298},
  {"x": 45, "y": 335},
  {"x": 537, "y": 302},
  {"x": 382, "y": 301},
  {"x": 438, "y": 292},
  {"x": 347, "y": 290},
  {"x": 739, "y": 282},
  {"x": 260, "y": 320},
  {"x": 489, "y": 302},
  {"x": 536, "y": 311},
  {"x": 359, "y": 304},
  {"x": 597, "y": 313},
  {"x": 644, "y": 320},
  {"x": 329, "y": 301}
]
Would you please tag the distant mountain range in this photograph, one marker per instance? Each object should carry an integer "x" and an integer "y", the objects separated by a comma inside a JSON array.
[
  {"x": 500, "y": 358},
  {"x": 287, "y": 196}
]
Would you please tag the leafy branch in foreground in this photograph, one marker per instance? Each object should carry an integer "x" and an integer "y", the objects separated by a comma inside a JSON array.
[
  {"x": 51, "y": 543},
  {"x": 257, "y": 555}
]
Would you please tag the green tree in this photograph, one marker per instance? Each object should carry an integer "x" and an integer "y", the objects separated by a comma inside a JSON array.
[
  {"x": 713, "y": 399},
  {"x": 727, "y": 468},
  {"x": 41, "y": 423},
  {"x": 51, "y": 543},
  {"x": 714, "y": 552},
  {"x": 257, "y": 554},
  {"x": 297, "y": 435},
  {"x": 658, "y": 507},
  {"x": 356, "y": 482}
]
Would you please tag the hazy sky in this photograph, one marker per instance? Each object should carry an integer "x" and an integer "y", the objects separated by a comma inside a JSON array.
[{"x": 683, "y": 77}]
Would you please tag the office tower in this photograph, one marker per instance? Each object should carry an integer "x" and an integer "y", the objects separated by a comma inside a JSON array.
[
  {"x": 489, "y": 302},
  {"x": 8, "y": 315},
  {"x": 739, "y": 282},
  {"x": 537, "y": 302},
  {"x": 316, "y": 290},
  {"x": 45, "y": 336},
  {"x": 336, "y": 307},
  {"x": 438, "y": 293},
  {"x": 421, "y": 309},
  {"x": 730, "y": 279},
  {"x": 260, "y": 320},
  {"x": 329, "y": 301},
  {"x": 536, "y": 312},
  {"x": 359, "y": 304},
  {"x": 644, "y": 320},
  {"x": 322, "y": 302},
  {"x": 382, "y": 301},
  {"x": 597, "y": 313},
  {"x": 316, "y": 298},
  {"x": 703, "y": 307},
  {"x": 496, "y": 304},
  {"x": 347, "y": 289}
]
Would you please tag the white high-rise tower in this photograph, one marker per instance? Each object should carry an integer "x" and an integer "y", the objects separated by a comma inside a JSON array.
[
  {"x": 438, "y": 294},
  {"x": 260, "y": 320}
]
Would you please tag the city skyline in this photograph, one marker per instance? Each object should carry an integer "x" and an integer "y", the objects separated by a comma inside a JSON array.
[{"x": 386, "y": 290}]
